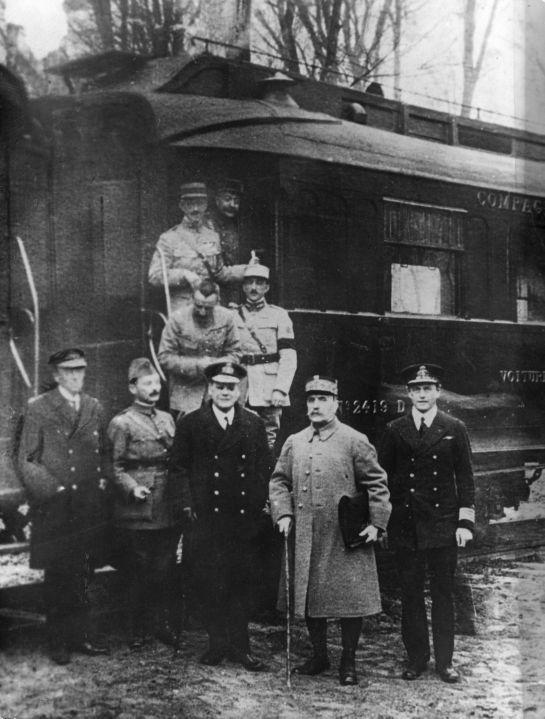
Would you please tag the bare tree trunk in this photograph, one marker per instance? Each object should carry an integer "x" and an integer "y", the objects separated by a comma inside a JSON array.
[
  {"x": 240, "y": 32},
  {"x": 396, "y": 27},
  {"x": 103, "y": 16},
  {"x": 472, "y": 67}
]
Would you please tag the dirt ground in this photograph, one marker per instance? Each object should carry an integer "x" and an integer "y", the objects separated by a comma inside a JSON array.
[{"x": 503, "y": 670}]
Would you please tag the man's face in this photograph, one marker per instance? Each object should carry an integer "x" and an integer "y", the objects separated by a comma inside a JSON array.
[
  {"x": 255, "y": 288},
  {"x": 424, "y": 395},
  {"x": 203, "y": 307},
  {"x": 224, "y": 395},
  {"x": 194, "y": 208},
  {"x": 321, "y": 408},
  {"x": 228, "y": 203},
  {"x": 146, "y": 389},
  {"x": 71, "y": 378}
]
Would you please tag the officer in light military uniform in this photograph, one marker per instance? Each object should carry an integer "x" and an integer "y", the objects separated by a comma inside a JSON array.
[
  {"x": 65, "y": 469},
  {"x": 427, "y": 457},
  {"x": 268, "y": 350},
  {"x": 194, "y": 337},
  {"x": 141, "y": 437},
  {"x": 220, "y": 451},
  {"x": 191, "y": 251}
]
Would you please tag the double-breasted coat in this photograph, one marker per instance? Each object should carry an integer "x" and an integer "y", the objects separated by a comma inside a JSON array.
[
  {"x": 58, "y": 450},
  {"x": 315, "y": 469},
  {"x": 227, "y": 473},
  {"x": 430, "y": 480},
  {"x": 188, "y": 347}
]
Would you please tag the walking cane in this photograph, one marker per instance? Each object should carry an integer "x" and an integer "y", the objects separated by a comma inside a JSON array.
[{"x": 288, "y": 608}]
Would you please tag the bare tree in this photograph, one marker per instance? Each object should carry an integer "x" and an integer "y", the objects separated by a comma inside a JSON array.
[
  {"x": 150, "y": 27},
  {"x": 349, "y": 40},
  {"x": 473, "y": 58}
]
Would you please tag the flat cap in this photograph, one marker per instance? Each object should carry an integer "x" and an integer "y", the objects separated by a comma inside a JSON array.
[
  {"x": 233, "y": 187},
  {"x": 140, "y": 367},
  {"x": 193, "y": 189},
  {"x": 319, "y": 384},
  {"x": 225, "y": 372},
  {"x": 257, "y": 270},
  {"x": 71, "y": 358},
  {"x": 422, "y": 374}
]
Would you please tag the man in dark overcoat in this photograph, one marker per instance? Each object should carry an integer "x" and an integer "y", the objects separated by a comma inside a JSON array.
[
  {"x": 220, "y": 451},
  {"x": 318, "y": 466},
  {"x": 65, "y": 468},
  {"x": 428, "y": 459}
]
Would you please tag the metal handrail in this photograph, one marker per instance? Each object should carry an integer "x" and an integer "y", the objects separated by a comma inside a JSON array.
[{"x": 36, "y": 312}]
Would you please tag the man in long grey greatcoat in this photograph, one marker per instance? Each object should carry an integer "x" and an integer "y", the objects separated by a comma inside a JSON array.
[{"x": 316, "y": 468}]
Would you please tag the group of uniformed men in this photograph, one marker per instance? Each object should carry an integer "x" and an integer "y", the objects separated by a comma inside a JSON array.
[{"x": 208, "y": 465}]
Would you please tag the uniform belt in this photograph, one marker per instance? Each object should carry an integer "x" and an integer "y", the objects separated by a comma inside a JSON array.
[{"x": 260, "y": 359}]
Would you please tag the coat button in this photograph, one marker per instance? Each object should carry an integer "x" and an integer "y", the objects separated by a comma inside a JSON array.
[
  {"x": 305, "y": 489},
  {"x": 243, "y": 493},
  {"x": 242, "y": 474},
  {"x": 435, "y": 474},
  {"x": 300, "y": 506},
  {"x": 216, "y": 474},
  {"x": 99, "y": 469},
  {"x": 412, "y": 459},
  {"x": 435, "y": 456},
  {"x": 95, "y": 433},
  {"x": 72, "y": 469},
  {"x": 308, "y": 471},
  {"x": 412, "y": 489},
  {"x": 216, "y": 456},
  {"x": 436, "y": 505},
  {"x": 70, "y": 451},
  {"x": 243, "y": 456},
  {"x": 216, "y": 491},
  {"x": 411, "y": 475},
  {"x": 242, "y": 511},
  {"x": 216, "y": 509},
  {"x": 435, "y": 489},
  {"x": 97, "y": 451},
  {"x": 74, "y": 486}
]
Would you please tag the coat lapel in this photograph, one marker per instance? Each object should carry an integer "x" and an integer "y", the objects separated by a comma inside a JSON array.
[
  {"x": 64, "y": 413},
  {"x": 409, "y": 432},
  {"x": 433, "y": 434},
  {"x": 86, "y": 412}
]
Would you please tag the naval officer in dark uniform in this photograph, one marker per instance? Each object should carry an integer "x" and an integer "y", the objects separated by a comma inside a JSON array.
[
  {"x": 428, "y": 460},
  {"x": 65, "y": 469},
  {"x": 220, "y": 451}
]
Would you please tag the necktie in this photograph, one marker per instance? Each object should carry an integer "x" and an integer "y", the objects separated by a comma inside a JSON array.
[
  {"x": 226, "y": 420},
  {"x": 422, "y": 429}
]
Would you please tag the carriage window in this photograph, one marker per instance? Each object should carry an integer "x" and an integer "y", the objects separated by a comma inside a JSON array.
[
  {"x": 424, "y": 246},
  {"x": 531, "y": 279}
]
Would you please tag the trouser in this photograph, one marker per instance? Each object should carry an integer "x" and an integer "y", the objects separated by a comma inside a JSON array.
[
  {"x": 148, "y": 568},
  {"x": 271, "y": 417},
  {"x": 350, "y": 634},
  {"x": 224, "y": 580},
  {"x": 65, "y": 588},
  {"x": 441, "y": 564}
]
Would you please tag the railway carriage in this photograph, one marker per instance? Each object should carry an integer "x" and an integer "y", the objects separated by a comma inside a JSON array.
[{"x": 394, "y": 233}]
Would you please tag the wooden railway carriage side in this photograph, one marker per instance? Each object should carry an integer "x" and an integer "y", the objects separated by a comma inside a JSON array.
[{"x": 386, "y": 247}]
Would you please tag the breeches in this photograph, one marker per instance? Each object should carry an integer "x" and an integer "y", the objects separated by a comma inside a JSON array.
[{"x": 150, "y": 556}]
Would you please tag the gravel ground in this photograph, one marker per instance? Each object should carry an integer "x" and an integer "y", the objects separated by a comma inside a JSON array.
[{"x": 503, "y": 670}]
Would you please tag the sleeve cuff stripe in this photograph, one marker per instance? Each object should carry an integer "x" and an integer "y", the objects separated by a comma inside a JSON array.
[{"x": 467, "y": 514}]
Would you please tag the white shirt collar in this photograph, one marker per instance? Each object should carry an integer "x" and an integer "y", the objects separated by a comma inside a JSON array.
[
  {"x": 220, "y": 416},
  {"x": 74, "y": 399},
  {"x": 429, "y": 416}
]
